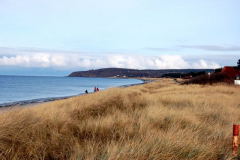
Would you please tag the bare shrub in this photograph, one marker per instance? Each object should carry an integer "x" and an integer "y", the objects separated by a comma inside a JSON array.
[{"x": 213, "y": 78}]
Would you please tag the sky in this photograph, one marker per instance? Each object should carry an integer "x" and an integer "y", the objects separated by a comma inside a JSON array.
[{"x": 57, "y": 37}]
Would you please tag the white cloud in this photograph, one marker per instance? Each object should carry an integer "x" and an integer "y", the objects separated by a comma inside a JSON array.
[
  {"x": 75, "y": 61},
  {"x": 203, "y": 64}
]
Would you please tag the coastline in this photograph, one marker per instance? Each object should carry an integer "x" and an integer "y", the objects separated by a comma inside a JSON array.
[{"x": 34, "y": 102}]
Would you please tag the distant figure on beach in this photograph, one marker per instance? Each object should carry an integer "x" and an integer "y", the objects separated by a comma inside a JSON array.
[
  {"x": 86, "y": 92},
  {"x": 95, "y": 89}
]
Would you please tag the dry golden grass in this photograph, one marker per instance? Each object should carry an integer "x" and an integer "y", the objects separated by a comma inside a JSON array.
[{"x": 160, "y": 120}]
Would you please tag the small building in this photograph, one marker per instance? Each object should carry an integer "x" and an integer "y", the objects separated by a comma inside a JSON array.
[
  {"x": 237, "y": 80},
  {"x": 188, "y": 77}
]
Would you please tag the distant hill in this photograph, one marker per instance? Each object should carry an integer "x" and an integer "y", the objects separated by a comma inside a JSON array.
[{"x": 123, "y": 72}]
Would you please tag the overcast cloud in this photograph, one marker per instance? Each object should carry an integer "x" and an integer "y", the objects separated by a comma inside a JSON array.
[
  {"x": 200, "y": 47},
  {"x": 212, "y": 48}
]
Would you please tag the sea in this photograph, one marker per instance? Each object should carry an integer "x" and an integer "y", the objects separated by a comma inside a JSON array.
[{"x": 24, "y": 88}]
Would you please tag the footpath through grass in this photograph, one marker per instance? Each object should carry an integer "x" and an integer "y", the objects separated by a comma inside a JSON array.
[{"x": 160, "y": 120}]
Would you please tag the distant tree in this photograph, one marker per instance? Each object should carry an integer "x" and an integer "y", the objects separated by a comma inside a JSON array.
[
  {"x": 238, "y": 63},
  {"x": 217, "y": 70}
]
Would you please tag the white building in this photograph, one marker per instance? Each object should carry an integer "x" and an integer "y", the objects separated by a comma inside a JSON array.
[{"x": 237, "y": 80}]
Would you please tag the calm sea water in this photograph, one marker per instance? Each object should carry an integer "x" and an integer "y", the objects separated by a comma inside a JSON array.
[{"x": 20, "y": 88}]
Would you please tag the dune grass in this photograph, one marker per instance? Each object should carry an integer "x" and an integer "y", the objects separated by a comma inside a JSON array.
[{"x": 160, "y": 120}]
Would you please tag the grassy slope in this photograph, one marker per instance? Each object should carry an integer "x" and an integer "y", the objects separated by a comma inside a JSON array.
[{"x": 161, "y": 120}]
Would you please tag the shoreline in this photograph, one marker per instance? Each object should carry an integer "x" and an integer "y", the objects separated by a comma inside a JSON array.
[{"x": 34, "y": 102}]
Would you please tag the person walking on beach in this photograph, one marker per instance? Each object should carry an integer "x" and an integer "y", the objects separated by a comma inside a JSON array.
[
  {"x": 95, "y": 89},
  {"x": 86, "y": 92}
]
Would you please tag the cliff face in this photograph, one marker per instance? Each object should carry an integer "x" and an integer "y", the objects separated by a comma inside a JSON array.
[{"x": 121, "y": 72}]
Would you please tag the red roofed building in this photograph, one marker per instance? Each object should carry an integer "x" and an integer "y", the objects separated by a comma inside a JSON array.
[
  {"x": 188, "y": 77},
  {"x": 231, "y": 71}
]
